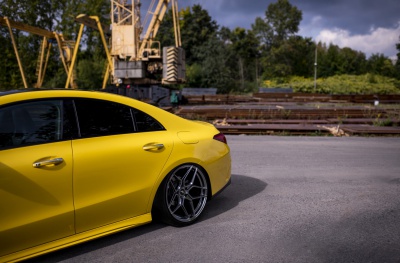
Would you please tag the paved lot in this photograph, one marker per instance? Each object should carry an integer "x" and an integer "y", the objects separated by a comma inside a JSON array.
[{"x": 292, "y": 199}]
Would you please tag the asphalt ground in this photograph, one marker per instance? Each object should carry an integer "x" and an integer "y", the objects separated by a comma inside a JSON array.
[{"x": 292, "y": 199}]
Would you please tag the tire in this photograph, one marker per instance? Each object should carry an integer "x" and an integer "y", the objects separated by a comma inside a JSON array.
[{"x": 182, "y": 196}]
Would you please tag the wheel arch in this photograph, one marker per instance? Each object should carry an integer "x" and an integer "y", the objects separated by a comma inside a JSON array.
[{"x": 156, "y": 193}]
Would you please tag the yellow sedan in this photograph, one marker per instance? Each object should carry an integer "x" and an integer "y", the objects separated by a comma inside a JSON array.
[{"x": 78, "y": 165}]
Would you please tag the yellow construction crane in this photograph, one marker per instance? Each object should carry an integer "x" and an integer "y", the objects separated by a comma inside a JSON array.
[
  {"x": 133, "y": 56},
  {"x": 65, "y": 48}
]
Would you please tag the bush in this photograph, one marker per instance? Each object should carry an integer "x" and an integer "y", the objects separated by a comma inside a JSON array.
[{"x": 341, "y": 84}]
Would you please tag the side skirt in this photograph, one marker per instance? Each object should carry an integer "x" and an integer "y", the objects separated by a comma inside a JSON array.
[{"x": 78, "y": 238}]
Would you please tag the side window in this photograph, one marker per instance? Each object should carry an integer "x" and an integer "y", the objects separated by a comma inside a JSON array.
[
  {"x": 102, "y": 118},
  {"x": 31, "y": 123},
  {"x": 145, "y": 122}
]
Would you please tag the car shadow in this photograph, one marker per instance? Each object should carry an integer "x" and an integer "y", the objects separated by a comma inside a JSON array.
[{"x": 241, "y": 188}]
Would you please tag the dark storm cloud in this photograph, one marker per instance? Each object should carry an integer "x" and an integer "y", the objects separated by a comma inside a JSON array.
[
  {"x": 357, "y": 16},
  {"x": 371, "y": 26}
]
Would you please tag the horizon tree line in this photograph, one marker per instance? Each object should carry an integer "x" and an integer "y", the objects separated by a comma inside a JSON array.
[{"x": 231, "y": 60}]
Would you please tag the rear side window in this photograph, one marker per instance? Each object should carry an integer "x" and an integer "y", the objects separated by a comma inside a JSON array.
[
  {"x": 102, "y": 118},
  {"x": 144, "y": 122},
  {"x": 31, "y": 123}
]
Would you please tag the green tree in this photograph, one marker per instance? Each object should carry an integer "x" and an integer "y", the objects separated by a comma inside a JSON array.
[
  {"x": 91, "y": 56},
  {"x": 337, "y": 61},
  {"x": 165, "y": 33},
  {"x": 264, "y": 32},
  {"x": 90, "y": 74},
  {"x": 333, "y": 59},
  {"x": 281, "y": 22},
  {"x": 9, "y": 72},
  {"x": 398, "y": 60},
  {"x": 197, "y": 27},
  {"x": 35, "y": 13},
  {"x": 213, "y": 66},
  {"x": 300, "y": 53},
  {"x": 295, "y": 56},
  {"x": 243, "y": 45},
  {"x": 381, "y": 65},
  {"x": 51, "y": 15},
  {"x": 284, "y": 19},
  {"x": 93, "y": 40},
  {"x": 66, "y": 18},
  {"x": 205, "y": 51}
]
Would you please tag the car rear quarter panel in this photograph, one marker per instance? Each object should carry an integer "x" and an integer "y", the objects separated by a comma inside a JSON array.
[{"x": 212, "y": 155}]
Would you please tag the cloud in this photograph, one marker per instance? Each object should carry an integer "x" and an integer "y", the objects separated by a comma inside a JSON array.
[
  {"x": 369, "y": 26},
  {"x": 378, "y": 40}
]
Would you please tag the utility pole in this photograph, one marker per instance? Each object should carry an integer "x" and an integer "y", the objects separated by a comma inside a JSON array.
[{"x": 315, "y": 68}]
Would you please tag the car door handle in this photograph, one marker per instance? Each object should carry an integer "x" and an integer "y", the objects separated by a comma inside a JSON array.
[
  {"x": 153, "y": 146},
  {"x": 54, "y": 161}
]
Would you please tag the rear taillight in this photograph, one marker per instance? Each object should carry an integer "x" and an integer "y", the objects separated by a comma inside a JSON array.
[{"x": 220, "y": 137}]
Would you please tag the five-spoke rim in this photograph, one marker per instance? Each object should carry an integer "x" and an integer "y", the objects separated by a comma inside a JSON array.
[{"x": 186, "y": 193}]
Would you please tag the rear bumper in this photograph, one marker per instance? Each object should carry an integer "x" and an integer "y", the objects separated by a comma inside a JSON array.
[{"x": 222, "y": 189}]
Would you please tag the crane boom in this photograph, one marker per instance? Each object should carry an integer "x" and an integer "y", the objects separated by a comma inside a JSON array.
[
  {"x": 27, "y": 28},
  {"x": 65, "y": 48},
  {"x": 154, "y": 25}
]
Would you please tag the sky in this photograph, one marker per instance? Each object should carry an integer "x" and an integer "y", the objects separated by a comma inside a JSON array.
[{"x": 370, "y": 26}]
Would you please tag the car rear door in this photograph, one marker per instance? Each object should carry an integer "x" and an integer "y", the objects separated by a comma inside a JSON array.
[
  {"x": 36, "y": 203},
  {"x": 115, "y": 163}
]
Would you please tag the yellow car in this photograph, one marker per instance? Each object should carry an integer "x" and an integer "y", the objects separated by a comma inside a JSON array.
[{"x": 78, "y": 165}]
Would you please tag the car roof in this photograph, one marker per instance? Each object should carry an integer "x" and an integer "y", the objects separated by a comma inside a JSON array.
[
  {"x": 7, "y": 92},
  {"x": 12, "y": 96},
  {"x": 13, "y": 91},
  {"x": 28, "y": 90}
]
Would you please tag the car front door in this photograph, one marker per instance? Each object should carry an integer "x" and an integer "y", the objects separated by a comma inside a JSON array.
[{"x": 36, "y": 204}]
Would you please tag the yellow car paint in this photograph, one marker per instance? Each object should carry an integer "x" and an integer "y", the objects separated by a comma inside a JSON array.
[
  {"x": 113, "y": 176},
  {"x": 35, "y": 199},
  {"x": 103, "y": 185}
]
